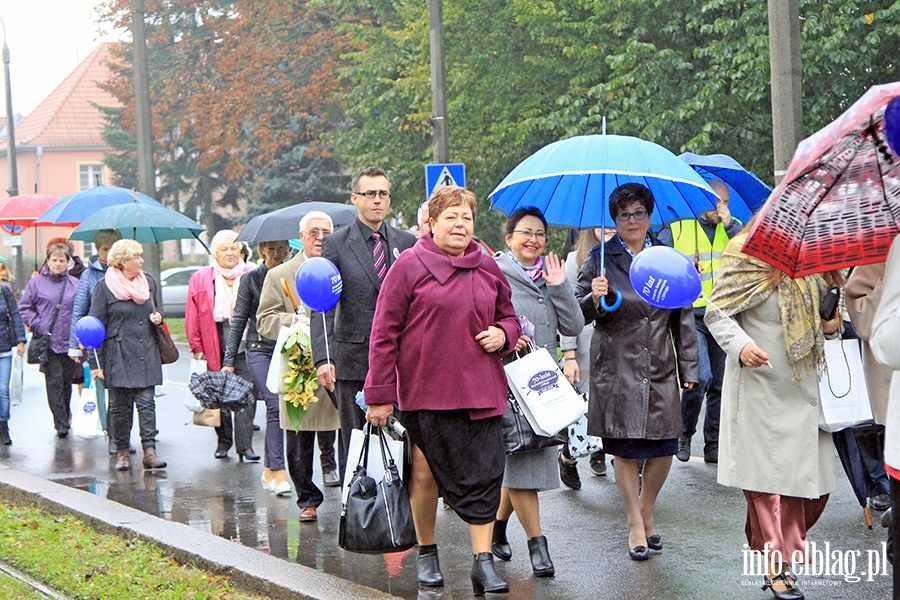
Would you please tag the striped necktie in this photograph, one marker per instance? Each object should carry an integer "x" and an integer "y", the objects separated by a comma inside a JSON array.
[{"x": 378, "y": 256}]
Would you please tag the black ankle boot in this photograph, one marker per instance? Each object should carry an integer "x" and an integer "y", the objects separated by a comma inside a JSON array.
[
  {"x": 428, "y": 567},
  {"x": 485, "y": 578},
  {"x": 4, "y": 434},
  {"x": 540, "y": 557},
  {"x": 499, "y": 543}
]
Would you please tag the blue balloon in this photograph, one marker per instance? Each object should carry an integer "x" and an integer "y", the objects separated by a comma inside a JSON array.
[
  {"x": 892, "y": 125},
  {"x": 665, "y": 278},
  {"x": 319, "y": 284},
  {"x": 90, "y": 332}
]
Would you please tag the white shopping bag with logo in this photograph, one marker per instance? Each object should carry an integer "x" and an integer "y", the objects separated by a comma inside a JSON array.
[
  {"x": 190, "y": 402},
  {"x": 549, "y": 402},
  {"x": 86, "y": 417}
]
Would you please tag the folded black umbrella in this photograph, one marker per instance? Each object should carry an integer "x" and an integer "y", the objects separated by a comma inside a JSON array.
[{"x": 221, "y": 389}]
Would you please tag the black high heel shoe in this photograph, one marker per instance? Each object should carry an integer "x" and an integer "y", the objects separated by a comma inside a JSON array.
[
  {"x": 485, "y": 578},
  {"x": 499, "y": 544},
  {"x": 791, "y": 592},
  {"x": 428, "y": 567},
  {"x": 639, "y": 553},
  {"x": 654, "y": 542},
  {"x": 248, "y": 454},
  {"x": 221, "y": 452},
  {"x": 540, "y": 557}
]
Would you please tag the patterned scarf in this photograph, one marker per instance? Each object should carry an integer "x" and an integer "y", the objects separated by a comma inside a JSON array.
[
  {"x": 742, "y": 285},
  {"x": 534, "y": 271},
  {"x": 137, "y": 289}
]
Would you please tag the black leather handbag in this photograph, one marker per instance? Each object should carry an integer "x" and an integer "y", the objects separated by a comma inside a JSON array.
[
  {"x": 377, "y": 518},
  {"x": 518, "y": 436}
]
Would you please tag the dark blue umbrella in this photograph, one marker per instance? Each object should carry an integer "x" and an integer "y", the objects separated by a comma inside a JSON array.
[
  {"x": 284, "y": 223},
  {"x": 570, "y": 181},
  {"x": 748, "y": 192},
  {"x": 851, "y": 460},
  {"x": 75, "y": 208}
]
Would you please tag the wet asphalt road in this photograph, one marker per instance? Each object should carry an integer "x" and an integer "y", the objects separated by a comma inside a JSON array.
[{"x": 701, "y": 522}]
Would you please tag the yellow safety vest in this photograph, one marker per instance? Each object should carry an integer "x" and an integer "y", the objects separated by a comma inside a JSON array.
[{"x": 689, "y": 238}]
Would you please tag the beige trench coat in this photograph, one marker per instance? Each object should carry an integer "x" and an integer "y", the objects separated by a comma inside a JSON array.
[
  {"x": 276, "y": 311},
  {"x": 769, "y": 436},
  {"x": 886, "y": 347},
  {"x": 863, "y": 295}
]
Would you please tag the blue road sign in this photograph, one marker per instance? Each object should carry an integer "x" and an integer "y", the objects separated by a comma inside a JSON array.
[
  {"x": 13, "y": 229},
  {"x": 438, "y": 176}
]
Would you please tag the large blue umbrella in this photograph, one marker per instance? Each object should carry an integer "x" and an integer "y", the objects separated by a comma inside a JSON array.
[
  {"x": 748, "y": 192},
  {"x": 75, "y": 208},
  {"x": 570, "y": 182}
]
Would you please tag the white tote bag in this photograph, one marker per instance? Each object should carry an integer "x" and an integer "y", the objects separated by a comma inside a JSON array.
[
  {"x": 278, "y": 364},
  {"x": 843, "y": 395},
  {"x": 190, "y": 402},
  {"x": 17, "y": 379},
  {"x": 375, "y": 465},
  {"x": 86, "y": 417},
  {"x": 549, "y": 402}
]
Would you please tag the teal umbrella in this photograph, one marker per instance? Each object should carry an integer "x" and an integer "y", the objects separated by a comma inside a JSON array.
[{"x": 142, "y": 222}]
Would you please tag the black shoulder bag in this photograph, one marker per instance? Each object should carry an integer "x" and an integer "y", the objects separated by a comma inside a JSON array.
[{"x": 39, "y": 346}]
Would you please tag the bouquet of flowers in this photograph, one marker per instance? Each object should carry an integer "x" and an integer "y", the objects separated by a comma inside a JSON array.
[{"x": 299, "y": 381}]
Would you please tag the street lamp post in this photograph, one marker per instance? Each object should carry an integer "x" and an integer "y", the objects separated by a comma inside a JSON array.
[{"x": 11, "y": 141}]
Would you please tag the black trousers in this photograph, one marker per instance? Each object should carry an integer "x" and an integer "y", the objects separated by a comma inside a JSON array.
[
  {"x": 300, "y": 446},
  {"x": 59, "y": 375},
  {"x": 122, "y": 402},
  {"x": 240, "y": 432},
  {"x": 352, "y": 417}
]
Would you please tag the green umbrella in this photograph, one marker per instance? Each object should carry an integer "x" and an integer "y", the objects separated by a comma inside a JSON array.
[{"x": 142, "y": 222}]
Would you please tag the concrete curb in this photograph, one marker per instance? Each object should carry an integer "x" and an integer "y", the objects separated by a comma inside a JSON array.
[{"x": 249, "y": 570}]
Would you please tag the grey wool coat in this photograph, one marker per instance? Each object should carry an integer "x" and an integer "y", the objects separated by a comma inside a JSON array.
[
  {"x": 639, "y": 355},
  {"x": 551, "y": 308},
  {"x": 129, "y": 357}
]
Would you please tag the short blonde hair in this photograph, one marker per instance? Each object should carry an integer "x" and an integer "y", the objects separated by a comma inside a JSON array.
[
  {"x": 226, "y": 236},
  {"x": 121, "y": 251}
]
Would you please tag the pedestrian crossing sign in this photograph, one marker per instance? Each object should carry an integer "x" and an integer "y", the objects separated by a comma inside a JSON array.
[{"x": 438, "y": 176}]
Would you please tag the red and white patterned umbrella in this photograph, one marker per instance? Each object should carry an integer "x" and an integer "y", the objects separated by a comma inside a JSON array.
[{"x": 839, "y": 203}]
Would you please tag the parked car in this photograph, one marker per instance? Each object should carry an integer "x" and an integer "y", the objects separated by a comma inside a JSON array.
[{"x": 174, "y": 286}]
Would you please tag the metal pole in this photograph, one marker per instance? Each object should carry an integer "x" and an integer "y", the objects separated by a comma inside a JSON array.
[
  {"x": 11, "y": 146},
  {"x": 438, "y": 84},
  {"x": 787, "y": 86},
  {"x": 146, "y": 173}
]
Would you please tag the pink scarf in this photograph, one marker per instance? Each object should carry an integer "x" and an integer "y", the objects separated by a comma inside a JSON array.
[
  {"x": 137, "y": 289},
  {"x": 226, "y": 295}
]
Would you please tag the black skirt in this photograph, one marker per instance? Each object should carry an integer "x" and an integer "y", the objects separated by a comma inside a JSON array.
[
  {"x": 640, "y": 448},
  {"x": 466, "y": 457}
]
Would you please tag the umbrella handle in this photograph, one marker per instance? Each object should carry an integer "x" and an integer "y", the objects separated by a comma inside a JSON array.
[
  {"x": 611, "y": 307},
  {"x": 287, "y": 292}
]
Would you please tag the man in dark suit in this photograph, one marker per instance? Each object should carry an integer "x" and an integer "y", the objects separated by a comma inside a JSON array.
[{"x": 362, "y": 252}]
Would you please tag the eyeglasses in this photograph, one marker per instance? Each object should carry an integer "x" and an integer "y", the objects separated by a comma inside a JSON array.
[
  {"x": 314, "y": 233},
  {"x": 371, "y": 194},
  {"x": 540, "y": 235},
  {"x": 639, "y": 215}
]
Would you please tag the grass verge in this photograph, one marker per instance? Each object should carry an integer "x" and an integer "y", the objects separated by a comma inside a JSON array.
[
  {"x": 66, "y": 555},
  {"x": 176, "y": 329},
  {"x": 13, "y": 589}
]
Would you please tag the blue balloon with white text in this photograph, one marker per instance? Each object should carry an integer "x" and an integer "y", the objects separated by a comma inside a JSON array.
[
  {"x": 319, "y": 284},
  {"x": 665, "y": 278},
  {"x": 90, "y": 332}
]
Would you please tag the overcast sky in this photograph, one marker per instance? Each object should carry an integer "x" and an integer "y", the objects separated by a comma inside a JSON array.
[{"x": 47, "y": 39}]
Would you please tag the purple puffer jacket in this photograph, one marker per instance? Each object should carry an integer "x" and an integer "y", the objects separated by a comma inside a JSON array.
[{"x": 38, "y": 304}]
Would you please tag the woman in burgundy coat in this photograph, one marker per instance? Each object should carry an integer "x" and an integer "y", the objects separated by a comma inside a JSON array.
[{"x": 444, "y": 318}]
